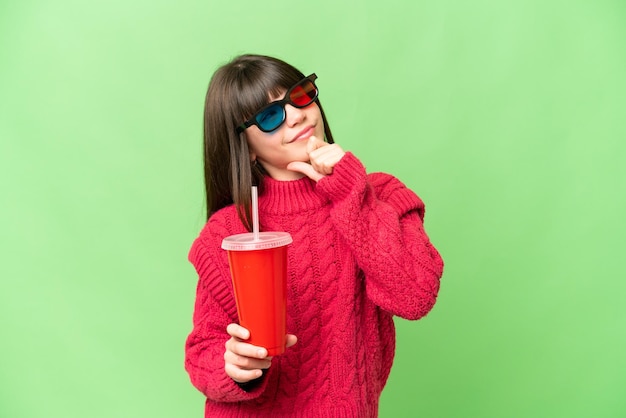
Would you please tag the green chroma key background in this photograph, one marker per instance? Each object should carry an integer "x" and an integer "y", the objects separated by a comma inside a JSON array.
[{"x": 505, "y": 117}]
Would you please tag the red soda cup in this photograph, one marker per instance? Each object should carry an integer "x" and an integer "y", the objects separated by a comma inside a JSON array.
[{"x": 258, "y": 267}]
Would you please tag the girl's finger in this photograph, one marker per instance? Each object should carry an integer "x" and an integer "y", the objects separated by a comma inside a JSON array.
[
  {"x": 291, "y": 340},
  {"x": 306, "y": 169},
  {"x": 244, "y": 349},
  {"x": 241, "y": 375},
  {"x": 237, "y": 331},
  {"x": 314, "y": 143},
  {"x": 324, "y": 159},
  {"x": 247, "y": 363}
]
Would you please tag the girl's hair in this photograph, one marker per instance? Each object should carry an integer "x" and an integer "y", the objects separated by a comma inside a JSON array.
[{"x": 237, "y": 90}]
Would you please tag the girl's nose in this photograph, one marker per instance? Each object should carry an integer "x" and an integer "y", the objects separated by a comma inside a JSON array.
[{"x": 293, "y": 115}]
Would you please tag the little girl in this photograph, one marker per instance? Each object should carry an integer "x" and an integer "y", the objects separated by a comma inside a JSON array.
[{"x": 359, "y": 256}]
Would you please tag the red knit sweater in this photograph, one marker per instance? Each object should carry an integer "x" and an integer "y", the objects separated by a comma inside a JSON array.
[{"x": 359, "y": 256}]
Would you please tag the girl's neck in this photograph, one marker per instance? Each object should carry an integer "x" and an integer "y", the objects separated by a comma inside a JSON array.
[{"x": 282, "y": 196}]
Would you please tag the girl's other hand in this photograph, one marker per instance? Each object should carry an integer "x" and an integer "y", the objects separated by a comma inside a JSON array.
[
  {"x": 323, "y": 158},
  {"x": 243, "y": 362}
]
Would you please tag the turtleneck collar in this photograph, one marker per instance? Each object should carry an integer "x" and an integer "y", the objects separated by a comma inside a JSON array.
[{"x": 286, "y": 197}]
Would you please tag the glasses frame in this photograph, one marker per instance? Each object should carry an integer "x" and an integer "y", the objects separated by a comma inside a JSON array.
[{"x": 282, "y": 103}]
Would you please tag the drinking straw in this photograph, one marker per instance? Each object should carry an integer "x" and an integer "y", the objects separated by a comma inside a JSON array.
[{"x": 255, "y": 213}]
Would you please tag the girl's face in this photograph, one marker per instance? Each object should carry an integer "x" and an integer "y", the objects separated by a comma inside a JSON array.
[{"x": 274, "y": 150}]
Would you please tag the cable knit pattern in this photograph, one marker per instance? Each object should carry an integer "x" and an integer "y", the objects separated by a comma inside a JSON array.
[{"x": 359, "y": 256}]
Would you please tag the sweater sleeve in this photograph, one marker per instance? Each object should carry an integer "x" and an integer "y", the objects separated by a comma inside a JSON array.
[
  {"x": 382, "y": 222},
  {"x": 214, "y": 309}
]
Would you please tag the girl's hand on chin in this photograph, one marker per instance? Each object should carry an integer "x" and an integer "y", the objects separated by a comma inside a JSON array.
[{"x": 323, "y": 158}]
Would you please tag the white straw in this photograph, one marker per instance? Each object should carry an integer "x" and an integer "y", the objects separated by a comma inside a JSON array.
[{"x": 255, "y": 213}]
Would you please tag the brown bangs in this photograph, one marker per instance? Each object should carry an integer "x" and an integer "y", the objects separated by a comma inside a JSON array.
[{"x": 253, "y": 93}]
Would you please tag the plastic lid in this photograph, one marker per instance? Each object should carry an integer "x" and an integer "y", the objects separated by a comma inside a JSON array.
[{"x": 246, "y": 242}]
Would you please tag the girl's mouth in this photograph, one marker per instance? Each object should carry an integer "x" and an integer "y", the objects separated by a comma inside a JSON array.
[{"x": 303, "y": 134}]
